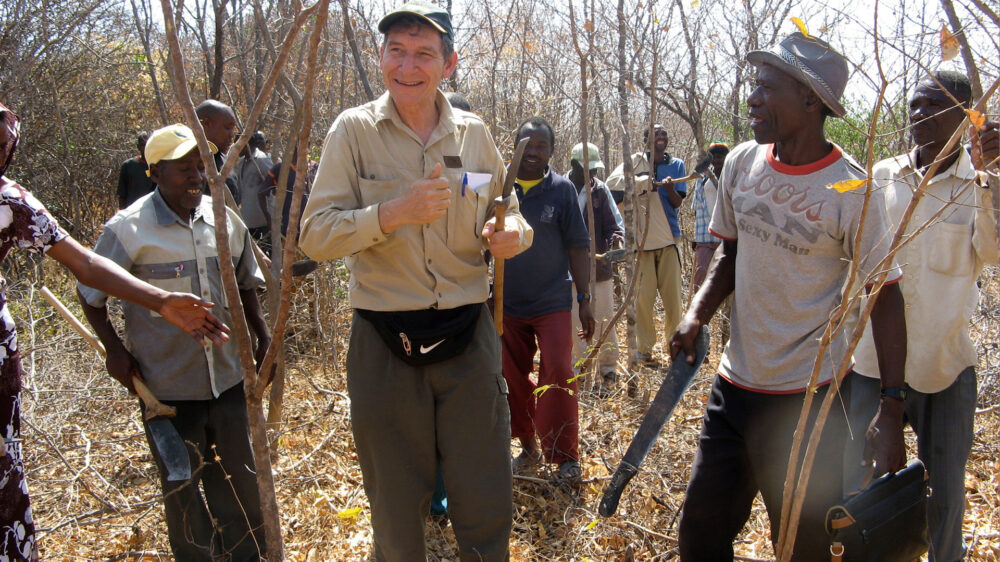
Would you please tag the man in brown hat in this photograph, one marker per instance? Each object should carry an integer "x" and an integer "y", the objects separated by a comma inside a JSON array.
[
  {"x": 404, "y": 189},
  {"x": 788, "y": 241}
]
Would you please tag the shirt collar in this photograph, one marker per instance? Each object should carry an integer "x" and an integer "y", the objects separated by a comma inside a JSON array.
[
  {"x": 545, "y": 179},
  {"x": 166, "y": 216},
  {"x": 385, "y": 109},
  {"x": 961, "y": 168}
]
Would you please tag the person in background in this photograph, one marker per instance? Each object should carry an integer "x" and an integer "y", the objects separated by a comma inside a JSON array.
[
  {"x": 537, "y": 304},
  {"x": 703, "y": 202},
  {"x": 458, "y": 101},
  {"x": 133, "y": 179},
  {"x": 26, "y": 224},
  {"x": 659, "y": 267},
  {"x": 608, "y": 232},
  {"x": 250, "y": 172},
  {"x": 219, "y": 122}
]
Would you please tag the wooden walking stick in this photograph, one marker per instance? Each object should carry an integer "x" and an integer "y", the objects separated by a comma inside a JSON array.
[{"x": 501, "y": 211}]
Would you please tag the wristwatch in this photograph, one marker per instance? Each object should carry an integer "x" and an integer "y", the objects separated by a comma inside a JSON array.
[
  {"x": 580, "y": 297},
  {"x": 896, "y": 392}
]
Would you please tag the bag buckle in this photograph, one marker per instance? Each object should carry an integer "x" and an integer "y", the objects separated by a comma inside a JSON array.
[{"x": 406, "y": 343}]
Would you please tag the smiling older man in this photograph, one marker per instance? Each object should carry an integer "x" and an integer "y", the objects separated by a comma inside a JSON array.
[{"x": 404, "y": 189}]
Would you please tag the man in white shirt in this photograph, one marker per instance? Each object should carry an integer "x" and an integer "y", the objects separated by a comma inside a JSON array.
[{"x": 940, "y": 268}]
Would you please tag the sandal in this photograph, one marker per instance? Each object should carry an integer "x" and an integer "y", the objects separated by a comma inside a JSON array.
[
  {"x": 570, "y": 471},
  {"x": 524, "y": 462}
]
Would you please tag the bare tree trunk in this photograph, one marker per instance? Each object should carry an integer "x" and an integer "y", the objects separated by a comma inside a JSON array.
[
  {"x": 358, "y": 64},
  {"x": 963, "y": 41},
  {"x": 142, "y": 27},
  {"x": 220, "y": 58},
  {"x": 628, "y": 173},
  {"x": 253, "y": 383},
  {"x": 589, "y": 208}
]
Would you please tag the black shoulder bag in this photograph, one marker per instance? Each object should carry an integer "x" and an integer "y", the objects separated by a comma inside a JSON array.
[{"x": 884, "y": 522}]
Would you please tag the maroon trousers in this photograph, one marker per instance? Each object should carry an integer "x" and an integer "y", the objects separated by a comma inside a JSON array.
[{"x": 552, "y": 413}]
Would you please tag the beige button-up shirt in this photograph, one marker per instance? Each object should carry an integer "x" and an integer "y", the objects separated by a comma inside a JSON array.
[
  {"x": 660, "y": 235},
  {"x": 940, "y": 267},
  {"x": 371, "y": 156}
]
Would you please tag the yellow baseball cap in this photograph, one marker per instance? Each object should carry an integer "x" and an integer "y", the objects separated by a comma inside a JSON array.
[{"x": 171, "y": 142}]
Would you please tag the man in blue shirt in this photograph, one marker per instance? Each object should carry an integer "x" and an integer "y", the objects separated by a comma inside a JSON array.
[
  {"x": 659, "y": 261},
  {"x": 537, "y": 309}
]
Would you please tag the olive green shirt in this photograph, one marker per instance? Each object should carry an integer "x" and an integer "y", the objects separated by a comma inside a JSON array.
[{"x": 371, "y": 156}]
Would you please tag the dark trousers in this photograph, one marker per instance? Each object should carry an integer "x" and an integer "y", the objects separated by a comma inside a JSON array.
[
  {"x": 409, "y": 420},
  {"x": 944, "y": 423},
  {"x": 743, "y": 448},
  {"x": 229, "y": 527},
  {"x": 554, "y": 413}
]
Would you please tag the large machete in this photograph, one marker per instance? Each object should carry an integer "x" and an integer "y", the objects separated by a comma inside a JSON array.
[
  {"x": 168, "y": 442},
  {"x": 502, "y": 201},
  {"x": 678, "y": 379}
]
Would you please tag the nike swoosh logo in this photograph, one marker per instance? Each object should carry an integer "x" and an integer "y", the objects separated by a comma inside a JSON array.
[{"x": 424, "y": 350}]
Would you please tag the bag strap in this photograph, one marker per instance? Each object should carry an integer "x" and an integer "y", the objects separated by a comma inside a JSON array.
[{"x": 837, "y": 551}]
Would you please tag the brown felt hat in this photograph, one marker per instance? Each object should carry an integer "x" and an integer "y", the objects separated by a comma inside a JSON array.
[{"x": 811, "y": 61}]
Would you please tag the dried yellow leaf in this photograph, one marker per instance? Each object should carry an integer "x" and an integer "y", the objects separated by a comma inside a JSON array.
[
  {"x": 694, "y": 3},
  {"x": 347, "y": 514},
  {"x": 847, "y": 185},
  {"x": 949, "y": 44},
  {"x": 801, "y": 25},
  {"x": 591, "y": 525},
  {"x": 977, "y": 118}
]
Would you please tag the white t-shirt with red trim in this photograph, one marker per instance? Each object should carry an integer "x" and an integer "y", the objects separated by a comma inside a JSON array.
[{"x": 796, "y": 238}]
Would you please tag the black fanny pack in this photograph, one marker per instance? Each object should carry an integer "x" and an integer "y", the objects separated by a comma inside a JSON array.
[{"x": 423, "y": 337}]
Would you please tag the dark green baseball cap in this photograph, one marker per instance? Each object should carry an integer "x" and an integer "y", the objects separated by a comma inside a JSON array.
[{"x": 433, "y": 15}]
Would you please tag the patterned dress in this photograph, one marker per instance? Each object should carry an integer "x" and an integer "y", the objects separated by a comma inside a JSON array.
[{"x": 24, "y": 223}]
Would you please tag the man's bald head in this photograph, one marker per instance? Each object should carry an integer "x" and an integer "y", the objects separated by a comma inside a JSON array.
[{"x": 219, "y": 122}]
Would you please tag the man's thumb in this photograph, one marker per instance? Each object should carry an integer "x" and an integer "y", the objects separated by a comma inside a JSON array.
[{"x": 436, "y": 172}]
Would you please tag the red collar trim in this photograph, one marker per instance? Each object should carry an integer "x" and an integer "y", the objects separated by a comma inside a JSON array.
[{"x": 804, "y": 169}]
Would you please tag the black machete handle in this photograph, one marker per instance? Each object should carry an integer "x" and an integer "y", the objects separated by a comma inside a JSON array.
[{"x": 613, "y": 493}]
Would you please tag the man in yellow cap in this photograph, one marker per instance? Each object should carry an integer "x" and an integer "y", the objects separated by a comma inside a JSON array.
[{"x": 167, "y": 238}]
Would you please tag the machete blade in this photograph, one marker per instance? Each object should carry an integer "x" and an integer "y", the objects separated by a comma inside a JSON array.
[
  {"x": 171, "y": 449},
  {"x": 515, "y": 165},
  {"x": 678, "y": 379}
]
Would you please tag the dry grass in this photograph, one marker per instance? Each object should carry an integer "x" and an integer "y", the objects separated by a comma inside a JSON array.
[{"x": 96, "y": 497}]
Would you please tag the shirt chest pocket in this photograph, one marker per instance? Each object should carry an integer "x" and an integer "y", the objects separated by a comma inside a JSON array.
[
  {"x": 467, "y": 212},
  {"x": 950, "y": 252},
  {"x": 373, "y": 191},
  {"x": 171, "y": 277}
]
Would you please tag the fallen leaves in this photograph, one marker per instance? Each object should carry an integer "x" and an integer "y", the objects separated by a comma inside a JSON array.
[{"x": 350, "y": 514}]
